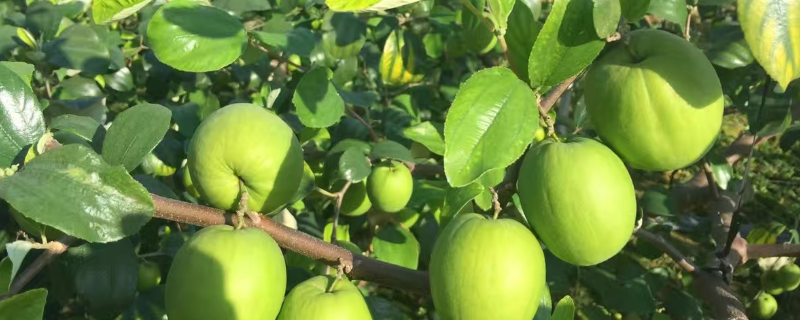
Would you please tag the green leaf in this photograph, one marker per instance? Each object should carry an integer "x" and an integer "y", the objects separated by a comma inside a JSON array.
[
  {"x": 456, "y": 199},
  {"x": 135, "y": 133},
  {"x": 122, "y": 80},
  {"x": 720, "y": 169},
  {"x": 318, "y": 103},
  {"x": 73, "y": 190},
  {"x": 565, "y": 310},
  {"x": 366, "y": 5},
  {"x": 344, "y": 34},
  {"x": 632, "y": 295},
  {"x": 671, "y": 10},
  {"x": 28, "y": 305},
  {"x": 8, "y": 34},
  {"x": 22, "y": 69},
  {"x": 429, "y": 134},
  {"x": 605, "y": 15},
  {"x": 106, "y": 11},
  {"x": 523, "y": 28},
  {"x": 298, "y": 41},
  {"x": 476, "y": 37},
  {"x": 43, "y": 17},
  {"x": 771, "y": 30},
  {"x": 17, "y": 251},
  {"x": 567, "y": 44},
  {"x": 490, "y": 123},
  {"x": 242, "y": 5},
  {"x": 396, "y": 245},
  {"x": 342, "y": 232},
  {"x": 21, "y": 120},
  {"x": 363, "y": 99},
  {"x": 391, "y": 150},
  {"x": 5, "y": 275},
  {"x": 346, "y": 144},
  {"x": 728, "y": 49},
  {"x": 633, "y": 10},
  {"x": 78, "y": 47},
  {"x": 105, "y": 275},
  {"x": 354, "y": 165},
  {"x": 307, "y": 184},
  {"x": 656, "y": 201},
  {"x": 501, "y": 9},
  {"x": 776, "y": 127},
  {"x": 189, "y": 36}
]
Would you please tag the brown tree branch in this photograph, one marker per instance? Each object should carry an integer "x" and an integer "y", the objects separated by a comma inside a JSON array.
[
  {"x": 755, "y": 251},
  {"x": 366, "y": 124},
  {"x": 337, "y": 210},
  {"x": 671, "y": 251}
]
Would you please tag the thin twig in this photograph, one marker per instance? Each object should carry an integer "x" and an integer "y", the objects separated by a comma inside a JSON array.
[
  {"x": 365, "y": 123},
  {"x": 556, "y": 93},
  {"x": 686, "y": 32},
  {"x": 338, "y": 209},
  {"x": 325, "y": 192},
  {"x": 478, "y": 13},
  {"x": 54, "y": 249},
  {"x": 671, "y": 251},
  {"x": 712, "y": 183},
  {"x": 275, "y": 56}
]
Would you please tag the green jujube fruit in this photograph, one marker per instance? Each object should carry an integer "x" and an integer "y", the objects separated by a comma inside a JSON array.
[
  {"x": 245, "y": 142},
  {"x": 311, "y": 299},
  {"x": 789, "y": 276},
  {"x": 355, "y": 201},
  {"x": 217, "y": 275},
  {"x": 579, "y": 198},
  {"x": 486, "y": 269},
  {"x": 771, "y": 282},
  {"x": 763, "y": 307},
  {"x": 149, "y": 276},
  {"x": 389, "y": 186},
  {"x": 656, "y": 100}
]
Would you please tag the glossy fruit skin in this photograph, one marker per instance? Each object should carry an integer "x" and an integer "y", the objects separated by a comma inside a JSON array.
[
  {"x": 486, "y": 269},
  {"x": 310, "y": 300},
  {"x": 152, "y": 165},
  {"x": 389, "y": 186},
  {"x": 539, "y": 135},
  {"x": 657, "y": 101},
  {"x": 217, "y": 275},
  {"x": 355, "y": 201},
  {"x": 764, "y": 307},
  {"x": 579, "y": 198},
  {"x": 247, "y": 142},
  {"x": 789, "y": 276},
  {"x": 149, "y": 276}
]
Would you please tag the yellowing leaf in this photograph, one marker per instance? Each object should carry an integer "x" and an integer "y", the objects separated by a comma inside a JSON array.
[
  {"x": 398, "y": 65},
  {"x": 772, "y": 29}
]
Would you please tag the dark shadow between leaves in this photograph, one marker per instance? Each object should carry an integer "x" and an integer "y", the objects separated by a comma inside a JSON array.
[
  {"x": 348, "y": 29},
  {"x": 392, "y": 235}
]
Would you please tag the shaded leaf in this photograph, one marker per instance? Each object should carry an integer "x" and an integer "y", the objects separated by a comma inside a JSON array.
[
  {"x": 22, "y": 69},
  {"x": 353, "y": 165},
  {"x": 28, "y": 305},
  {"x": 720, "y": 169},
  {"x": 605, "y": 15},
  {"x": 298, "y": 41},
  {"x": 633, "y": 10},
  {"x": 106, "y": 11},
  {"x": 523, "y": 29},
  {"x": 456, "y": 199},
  {"x": 78, "y": 47},
  {"x": 396, "y": 245},
  {"x": 391, "y": 150},
  {"x": 671, "y": 10},
  {"x": 429, "y": 134},
  {"x": 317, "y": 101},
  {"x": 105, "y": 275}
]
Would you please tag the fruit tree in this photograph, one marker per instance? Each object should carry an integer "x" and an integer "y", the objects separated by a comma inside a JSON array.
[{"x": 399, "y": 159}]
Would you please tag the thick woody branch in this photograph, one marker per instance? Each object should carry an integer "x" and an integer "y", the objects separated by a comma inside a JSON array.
[
  {"x": 755, "y": 251},
  {"x": 671, "y": 251}
]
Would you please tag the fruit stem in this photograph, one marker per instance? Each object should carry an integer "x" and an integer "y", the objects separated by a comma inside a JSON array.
[
  {"x": 496, "y": 204},
  {"x": 332, "y": 284},
  {"x": 242, "y": 206},
  {"x": 324, "y": 192}
]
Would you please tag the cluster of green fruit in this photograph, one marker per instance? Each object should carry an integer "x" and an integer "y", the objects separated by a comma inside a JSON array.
[{"x": 774, "y": 282}]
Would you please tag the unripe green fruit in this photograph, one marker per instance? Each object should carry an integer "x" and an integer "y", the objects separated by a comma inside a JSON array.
[
  {"x": 789, "y": 276},
  {"x": 771, "y": 282},
  {"x": 187, "y": 183},
  {"x": 656, "y": 100},
  {"x": 218, "y": 275},
  {"x": 245, "y": 142},
  {"x": 355, "y": 201},
  {"x": 419, "y": 151},
  {"x": 311, "y": 300},
  {"x": 764, "y": 307},
  {"x": 486, "y": 269},
  {"x": 579, "y": 198},
  {"x": 149, "y": 276},
  {"x": 152, "y": 165},
  {"x": 407, "y": 217},
  {"x": 389, "y": 186},
  {"x": 539, "y": 135},
  {"x": 295, "y": 60}
]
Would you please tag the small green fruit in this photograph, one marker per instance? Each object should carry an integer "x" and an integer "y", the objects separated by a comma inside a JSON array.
[
  {"x": 389, "y": 186},
  {"x": 152, "y": 165},
  {"x": 771, "y": 282},
  {"x": 789, "y": 276},
  {"x": 149, "y": 276},
  {"x": 295, "y": 60},
  {"x": 486, "y": 269},
  {"x": 355, "y": 201},
  {"x": 764, "y": 307},
  {"x": 312, "y": 299},
  {"x": 407, "y": 217},
  {"x": 245, "y": 142},
  {"x": 579, "y": 198},
  {"x": 539, "y": 135},
  {"x": 218, "y": 275},
  {"x": 656, "y": 100}
]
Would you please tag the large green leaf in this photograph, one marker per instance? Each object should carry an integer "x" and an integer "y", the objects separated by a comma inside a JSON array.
[
  {"x": 391, "y": 150},
  {"x": 105, "y": 11},
  {"x": 109, "y": 294},
  {"x": 366, "y": 5},
  {"x": 21, "y": 120},
  {"x": 491, "y": 121},
  {"x": 28, "y": 305},
  {"x": 189, "y": 36},
  {"x": 500, "y": 11},
  {"x": 298, "y": 41},
  {"x": 456, "y": 199},
  {"x": 606, "y": 15},
  {"x": 567, "y": 44},
  {"x": 633, "y": 10},
  {"x": 728, "y": 49},
  {"x": 396, "y": 245},
  {"x": 78, "y": 47},
  {"x": 353, "y": 165},
  {"x": 772, "y": 29},
  {"x": 523, "y": 28},
  {"x": 73, "y": 190},
  {"x": 22, "y": 69},
  {"x": 318, "y": 103},
  {"x": 135, "y": 133},
  {"x": 344, "y": 34},
  {"x": 429, "y": 134}
]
